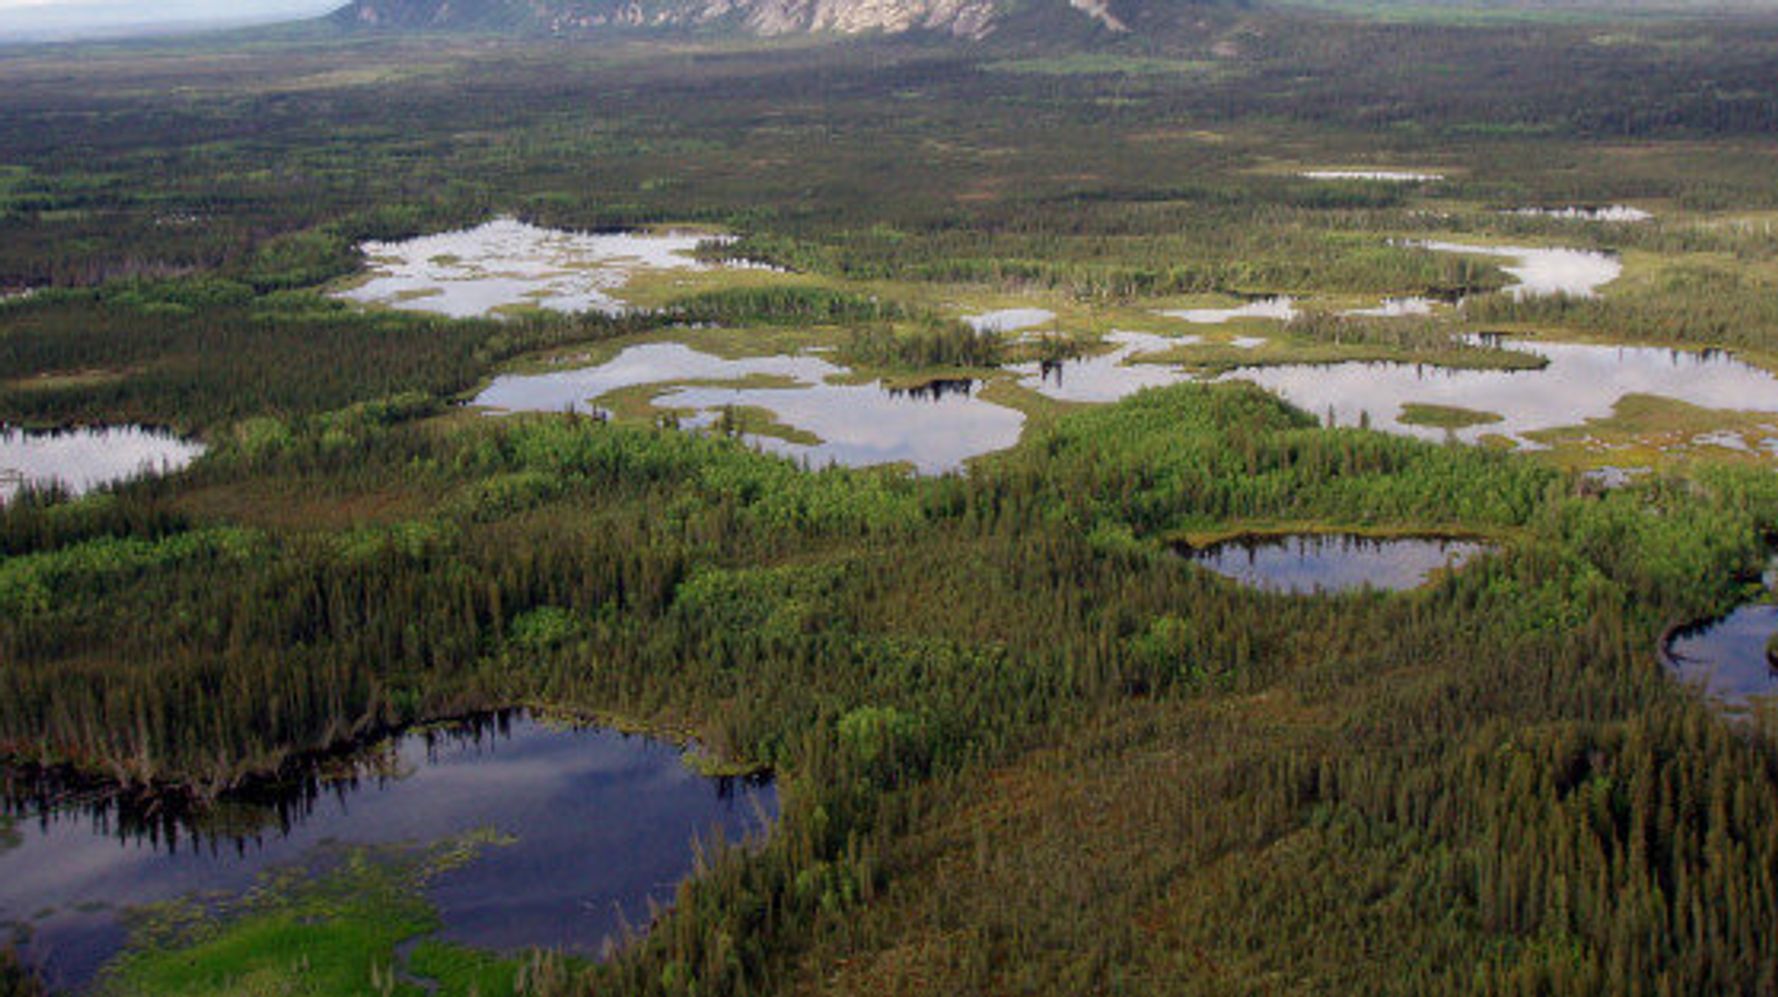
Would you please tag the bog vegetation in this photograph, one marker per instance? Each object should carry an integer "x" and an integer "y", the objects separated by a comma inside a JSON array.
[{"x": 1023, "y": 746}]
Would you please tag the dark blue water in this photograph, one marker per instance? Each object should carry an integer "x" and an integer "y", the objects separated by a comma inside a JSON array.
[
  {"x": 1309, "y": 563},
  {"x": 603, "y": 824},
  {"x": 1726, "y": 658}
]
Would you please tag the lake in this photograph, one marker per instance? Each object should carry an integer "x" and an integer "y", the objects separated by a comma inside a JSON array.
[{"x": 602, "y": 823}]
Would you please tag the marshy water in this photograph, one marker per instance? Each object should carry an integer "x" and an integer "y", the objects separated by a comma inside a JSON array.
[
  {"x": 1727, "y": 659},
  {"x": 1305, "y": 564},
  {"x": 1543, "y": 271},
  {"x": 856, "y": 425},
  {"x": 1010, "y": 319},
  {"x": 506, "y": 263},
  {"x": 935, "y": 429},
  {"x": 80, "y": 460},
  {"x": 1279, "y": 309},
  {"x": 1108, "y": 376},
  {"x": 1731, "y": 660},
  {"x": 596, "y": 825},
  {"x": 818, "y": 413},
  {"x": 1581, "y": 382}
]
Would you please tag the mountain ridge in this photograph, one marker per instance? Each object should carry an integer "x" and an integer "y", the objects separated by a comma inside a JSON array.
[{"x": 968, "y": 19}]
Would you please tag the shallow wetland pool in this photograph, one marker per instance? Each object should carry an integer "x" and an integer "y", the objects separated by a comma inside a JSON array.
[
  {"x": 853, "y": 424},
  {"x": 506, "y": 264},
  {"x": 1306, "y": 564},
  {"x": 80, "y": 460},
  {"x": 810, "y": 408}
]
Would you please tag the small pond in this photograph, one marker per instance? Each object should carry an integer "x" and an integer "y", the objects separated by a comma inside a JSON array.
[
  {"x": 601, "y": 824},
  {"x": 1278, "y": 309},
  {"x": 1305, "y": 564},
  {"x": 1010, "y": 320},
  {"x": 934, "y": 427},
  {"x": 1542, "y": 272},
  {"x": 506, "y": 263},
  {"x": 1733, "y": 659},
  {"x": 83, "y": 459},
  {"x": 1727, "y": 658}
]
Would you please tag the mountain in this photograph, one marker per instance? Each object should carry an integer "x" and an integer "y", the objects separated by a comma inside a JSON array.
[{"x": 960, "y": 18}]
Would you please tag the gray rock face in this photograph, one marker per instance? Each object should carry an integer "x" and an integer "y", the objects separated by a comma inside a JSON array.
[{"x": 960, "y": 18}]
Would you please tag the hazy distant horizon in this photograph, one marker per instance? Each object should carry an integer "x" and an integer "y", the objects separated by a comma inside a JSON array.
[{"x": 53, "y": 20}]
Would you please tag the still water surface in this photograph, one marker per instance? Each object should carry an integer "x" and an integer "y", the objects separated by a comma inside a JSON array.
[
  {"x": 1540, "y": 272},
  {"x": 602, "y": 823},
  {"x": 934, "y": 429},
  {"x": 1581, "y": 382},
  {"x": 80, "y": 460},
  {"x": 1726, "y": 658},
  {"x": 1305, "y": 564},
  {"x": 506, "y": 263}
]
